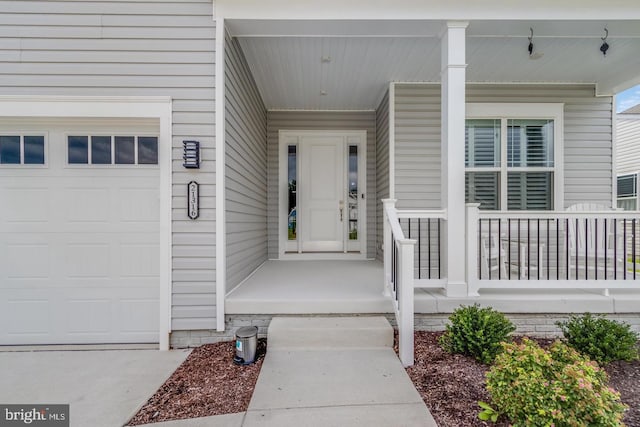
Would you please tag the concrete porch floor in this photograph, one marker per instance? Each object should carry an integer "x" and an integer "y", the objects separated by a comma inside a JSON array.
[
  {"x": 355, "y": 287},
  {"x": 319, "y": 287}
]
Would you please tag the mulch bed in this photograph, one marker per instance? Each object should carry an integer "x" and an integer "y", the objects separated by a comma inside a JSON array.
[
  {"x": 451, "y": 385},
  {"x": 207, "y": 383}
]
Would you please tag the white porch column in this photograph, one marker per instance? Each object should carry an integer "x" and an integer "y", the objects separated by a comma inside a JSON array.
[{"x": 453, "y": 120}]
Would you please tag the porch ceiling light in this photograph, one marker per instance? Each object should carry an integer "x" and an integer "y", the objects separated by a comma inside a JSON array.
[{"x": 605, "y": 46}]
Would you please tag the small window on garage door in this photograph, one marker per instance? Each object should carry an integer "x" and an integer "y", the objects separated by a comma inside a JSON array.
[
  {"x": 22, "y": 149},
  {"x": 112, "y": 150}
]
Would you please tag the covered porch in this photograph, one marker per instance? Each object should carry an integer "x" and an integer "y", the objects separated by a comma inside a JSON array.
[{"x": 411, "y": 85}]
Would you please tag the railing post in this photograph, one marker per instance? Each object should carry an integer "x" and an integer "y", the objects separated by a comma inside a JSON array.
[
  {"x": 405, "y": 301},
  {"x": 472, "y": 254},
  {"x": 386, "y": 245}
]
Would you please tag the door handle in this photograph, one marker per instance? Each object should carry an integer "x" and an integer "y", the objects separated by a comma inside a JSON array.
[{"x": 340, "y": 214}]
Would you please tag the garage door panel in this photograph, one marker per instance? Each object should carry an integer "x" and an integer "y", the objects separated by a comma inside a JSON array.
[
  {"x": 29, "y": 317},
  {"x": 87, "y": 260},
  {"x": 86, "y": 316},
  {"x": 139, "y": 205},
  {"x": 87, "y": 204},
  {"x": 20, "y": 205},
  {"x": 138, "y": 316},
  {"x": 27, "y": 261},
  {"x": 139, "y": 260},
  {"x": 78, "y": 315}
]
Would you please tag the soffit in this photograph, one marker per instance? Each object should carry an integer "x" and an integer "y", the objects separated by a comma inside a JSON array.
[{"x": 349, "y": 64}]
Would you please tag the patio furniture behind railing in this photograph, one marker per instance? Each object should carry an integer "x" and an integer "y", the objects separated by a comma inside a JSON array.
[{"x": 573, "y": 249}]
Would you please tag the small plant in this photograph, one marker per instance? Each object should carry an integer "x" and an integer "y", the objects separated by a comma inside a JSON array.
[
  {"x": 558, "y": 387},
  {"x": 600, "y": 339},
  {"x": 488, "y": 413},
  {"x": 476, "y": 332}
]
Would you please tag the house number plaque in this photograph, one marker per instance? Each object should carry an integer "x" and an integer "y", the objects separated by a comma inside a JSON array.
[{"x": 193, "y": 208}]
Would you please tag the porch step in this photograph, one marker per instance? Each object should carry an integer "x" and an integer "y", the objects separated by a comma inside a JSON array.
[{"x": 329, "y": 332}]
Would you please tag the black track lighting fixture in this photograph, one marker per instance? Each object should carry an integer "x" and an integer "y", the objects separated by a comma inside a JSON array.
[{"x": 605, "y": 46}]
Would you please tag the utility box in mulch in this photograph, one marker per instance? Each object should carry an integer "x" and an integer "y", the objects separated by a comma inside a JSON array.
[{"x": 246, "y": 345}]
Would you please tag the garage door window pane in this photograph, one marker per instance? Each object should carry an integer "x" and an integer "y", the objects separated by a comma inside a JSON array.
[
  {"x": 125, "y": 150},
  {"x": 101, "y": 150},
  {"x": 10, "y": 150},
  {"x": 34, "y": 150},
  {"x": 78, "y": 149},
  {"x": 147, "y": 150}
]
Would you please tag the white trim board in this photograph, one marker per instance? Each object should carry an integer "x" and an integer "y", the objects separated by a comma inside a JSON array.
[
  {"x": 420, "y": 10},
  {"x": 119, "y": 107},
  {"x": 221, "y": 241}
]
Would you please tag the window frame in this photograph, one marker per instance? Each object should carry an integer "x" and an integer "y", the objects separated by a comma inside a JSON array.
[
  {"x": 523, "y": 111},
  {"x": 22, "y": 164}
]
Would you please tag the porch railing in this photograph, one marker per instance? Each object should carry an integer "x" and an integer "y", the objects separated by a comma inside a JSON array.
[
  {"x": 558, "y": 250},
  {"x": 412, "y": 259}
]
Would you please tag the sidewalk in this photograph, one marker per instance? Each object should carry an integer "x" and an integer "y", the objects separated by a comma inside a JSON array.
[{"x": 322, "y": 372}]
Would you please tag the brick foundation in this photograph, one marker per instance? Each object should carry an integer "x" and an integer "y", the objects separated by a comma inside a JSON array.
[{"x": 538, "y": 325}]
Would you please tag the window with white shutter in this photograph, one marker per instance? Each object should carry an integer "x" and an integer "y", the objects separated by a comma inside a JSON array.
[
  {"x": 510, "y": 161},
  {"x": 628, "y": 192}
]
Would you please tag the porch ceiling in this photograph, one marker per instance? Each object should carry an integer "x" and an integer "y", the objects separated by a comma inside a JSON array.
[{"x": 346, "y": 65}]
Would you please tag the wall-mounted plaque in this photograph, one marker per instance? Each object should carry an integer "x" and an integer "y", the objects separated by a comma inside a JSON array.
[{"x": 193, "y": 200}]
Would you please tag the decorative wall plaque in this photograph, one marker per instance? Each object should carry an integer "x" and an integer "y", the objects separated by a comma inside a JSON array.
[{"x": 193, "y": 200}]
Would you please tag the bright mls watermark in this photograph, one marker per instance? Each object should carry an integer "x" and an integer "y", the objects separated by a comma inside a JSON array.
[{"x": 34, "y": 415}]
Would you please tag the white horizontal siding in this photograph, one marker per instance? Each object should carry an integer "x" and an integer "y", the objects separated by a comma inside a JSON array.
[
  {"x": 319, "y": 120},
  {"x": 627, "y": 144},
  {"x": 382, "y": 167},
  {"x": 417, "y": 146},
  {"x": 245, "y": 168},
  {"x": 587, "y": 139},
  {"x": 133, "y": 48}
]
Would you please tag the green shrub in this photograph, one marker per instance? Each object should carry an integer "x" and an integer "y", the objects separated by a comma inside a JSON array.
[
  {"x": 476, "y": 332},
  {"x": 601, "y": 339},
  {"x": 558, "y": 387}
]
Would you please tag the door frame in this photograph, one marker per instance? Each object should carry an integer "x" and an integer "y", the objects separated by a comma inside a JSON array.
[{"x": 287, "y": 137}]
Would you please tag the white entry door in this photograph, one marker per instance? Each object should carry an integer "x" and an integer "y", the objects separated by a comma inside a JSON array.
[{"x": 322, "y": 194}]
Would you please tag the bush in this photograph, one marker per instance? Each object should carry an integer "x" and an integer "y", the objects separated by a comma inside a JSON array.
[
  {"x": 559, "y": 387},
  {"x": 476, "y": 332},
  {"x": 600, "y": 339}
]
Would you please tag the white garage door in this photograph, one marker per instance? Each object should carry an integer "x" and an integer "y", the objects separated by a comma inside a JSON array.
[{"x": 79, "y": 231}]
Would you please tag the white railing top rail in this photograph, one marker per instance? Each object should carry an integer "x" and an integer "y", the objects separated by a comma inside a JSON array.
[
  {"x": 524, "y": 215},
  {"x": 422, "y": 214}
]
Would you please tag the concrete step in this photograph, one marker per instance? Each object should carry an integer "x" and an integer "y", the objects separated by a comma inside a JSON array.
[{"x": 329, "y": 332}]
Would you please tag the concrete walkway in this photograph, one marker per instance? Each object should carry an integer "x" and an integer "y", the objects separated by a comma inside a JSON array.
[
  {"x": 334, "y": 371},
  {"x": 325, "y": 372}
]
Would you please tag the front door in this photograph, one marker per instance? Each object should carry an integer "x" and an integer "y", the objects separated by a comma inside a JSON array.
[
  {"x": 322, "y": 194},
  {"x": 322, "y": 197}
]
